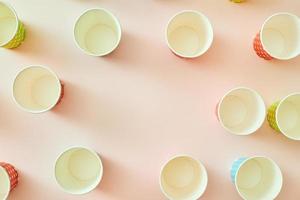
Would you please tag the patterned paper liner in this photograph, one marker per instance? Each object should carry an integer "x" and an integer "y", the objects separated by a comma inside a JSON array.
[
  {"x": 18, "y": 38},
  {"x": 12, "y": 173},
  {"x": 259, "y": 49},
  {"x": 272, "y": 116}
]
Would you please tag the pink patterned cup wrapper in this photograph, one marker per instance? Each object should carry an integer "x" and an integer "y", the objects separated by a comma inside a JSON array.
[
  {"x": 259, "y": 49},
  {"x": 12, "y": 173}
]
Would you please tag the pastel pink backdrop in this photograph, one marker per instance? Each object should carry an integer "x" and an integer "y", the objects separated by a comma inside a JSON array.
[{"x": 141, "y": 105}]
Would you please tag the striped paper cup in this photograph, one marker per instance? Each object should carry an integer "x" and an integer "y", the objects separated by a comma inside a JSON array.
[
  {"x": 37, "y": 89},
  {"x": 78, "y": 170},
  {"x": 189, "y": 34},
  {"x": 256, "y": 178},
  {"x": 279, "y": 37},
  {"x": 183, "y": 178},
  {"x": 241, "y": 111},
  {"x": 8, "y": 179},
  {"x": 284, "y": 116},
  {"x": 12, "y": 31}
]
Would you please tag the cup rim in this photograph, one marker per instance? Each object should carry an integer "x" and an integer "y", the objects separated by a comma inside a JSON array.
[
  {"x": 262, "y": 28},
  {"x": 8, "y": 179},
  {"x": 254, "y": 157},
  {"x": 16, "y": 18},
  {"x": 199, "y": 14},
  {"x": 219, "y": 107},
  {"x": 276, "y": 114},
  {"x": 98, "y": 178},
  {"x": 36, "y": 111},
  {"x": 204, "y": 171},
  {"x": 112, "y": 16}
]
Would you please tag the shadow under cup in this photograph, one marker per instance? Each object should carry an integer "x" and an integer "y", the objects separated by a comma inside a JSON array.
[
  {"x": 36, "y": 89},
  {"x": 78, "y": 170},
  {"x": 258, "y": 178},
  {"x": 241, "y": 111},
  {"x": 97, "y": 32},
  {"x": 189, "y": 34},
  {"x": 183, "y": 178}
]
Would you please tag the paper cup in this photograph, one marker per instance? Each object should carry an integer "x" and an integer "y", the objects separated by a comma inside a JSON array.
[
  {"x": 37, "y": 89},
  {"x": 12, "y": 31},
  {"x": 183, "y": 178},
  {"x": 256, "y": 178},
  {"x": 279, "y": 37},
  {"x": 8, "y": 179},
  {"x": 189, "y": 34},
  {"x": 241, "y": 111},
  {"x": 78, "y": 170},
  {"x": 97, "y": 32},
  {"x": 284, "y": 116}
]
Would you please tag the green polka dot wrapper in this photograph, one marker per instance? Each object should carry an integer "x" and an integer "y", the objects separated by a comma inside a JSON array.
[
  {"x": 272, "y": 116},
  {"x": 18, "y": 38}
]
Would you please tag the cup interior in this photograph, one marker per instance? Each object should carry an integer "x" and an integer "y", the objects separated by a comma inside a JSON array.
[
  {"x": 288, "y": 116},
  {"x": 4, "y": 183},
  {"x": 242, "y": 111},
  {"x": 36, "y": 89},
  {"x": 8, "y": 24},
  {"x": 281, "y": 36},
  {"x": 78, "y": 170},
  {"x": 259, "y": 178},
  {"x": 97, "y": 32},
  {"x": 189, "y": 34},
  {"x": 183, "y": 178}
]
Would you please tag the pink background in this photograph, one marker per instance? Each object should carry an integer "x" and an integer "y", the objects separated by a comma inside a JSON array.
[{"x": 141, "y": 105}]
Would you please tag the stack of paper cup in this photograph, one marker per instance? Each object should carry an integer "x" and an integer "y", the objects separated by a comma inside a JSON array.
[
  {"x": 284, "y": 116},
  {"x": 12, "y": 31},
  {"x": 78, "y": 170},
  {"x": 183, "y": 178},
  {"x": 256, "y": 178},
  {"x": 97, "y": 32},
  {"x": 8, "y": 179},
  {"x": 189, "y": 34},
  {"x": 279, "y": 37},
  {"x": 241, "y": 111},
  {"x": 37, "y": 89}
]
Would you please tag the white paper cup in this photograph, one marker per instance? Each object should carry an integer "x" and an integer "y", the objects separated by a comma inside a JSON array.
[
  {"x": 9, "y": 23},
  {"x": 280, "y": 36},
  {"x": 288, "y": 116},
  {"x": 97, "y": 32},
  {"x": 183, "y": 178},
  {"x": 257, "y": 178},
  {"x": 9, "y": 179},
  {"x": 4, "y": 184},
  {"x": 189, "y": 34},
  {"x": 78, "y": 170},
  {"x": 241, "y": 111},
  {"x": 37, "y": 89}
]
